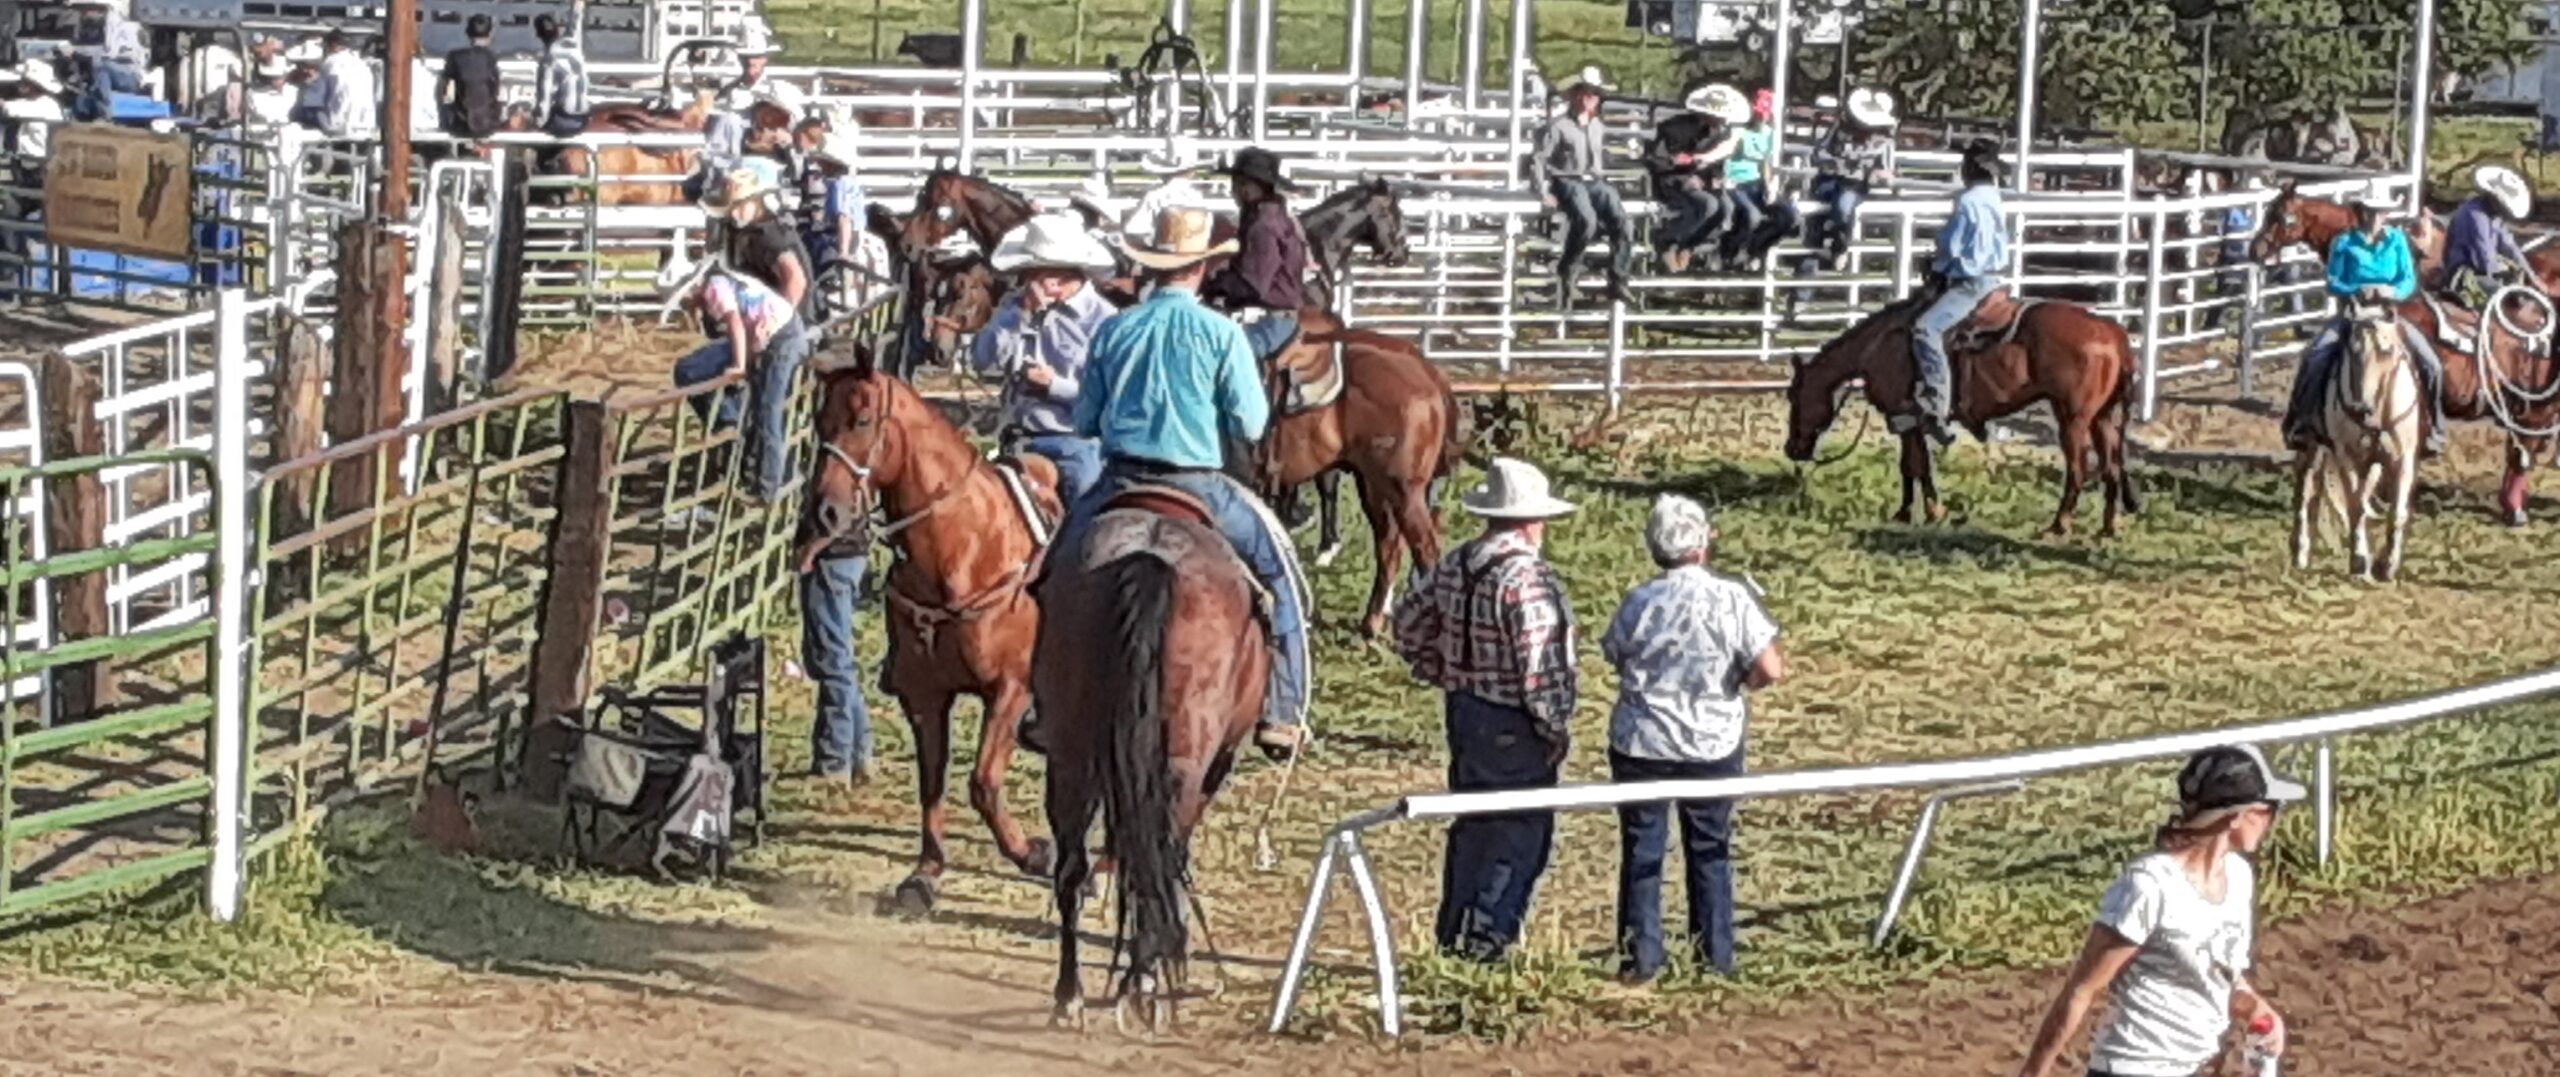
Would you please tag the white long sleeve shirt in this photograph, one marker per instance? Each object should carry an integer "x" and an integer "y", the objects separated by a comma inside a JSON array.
[{"x": 350, "y": 106}]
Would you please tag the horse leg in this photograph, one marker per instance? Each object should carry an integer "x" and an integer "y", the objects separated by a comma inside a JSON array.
[
  {"x": 2359, "y": 483},
  {"x": 2123, "y": 475},
  {"x": 1329, "y": 513},
  {"x": 2309, "y": 473},
  {"x": 2110, "y": 439},
  {"x": 929, "y": 714},
  {"x": 1421, "y": 529},
  {"x": 1915, "y": 468},
  {"x": 1036, "y": 857},
  {"x": 1388, "y": 542},
  {"x": 1071, "y": 807},
  {"x": 2075, "y": 473},
  {"x": 2514, "y": 488},
  {"x": 2401, "y": 475}
]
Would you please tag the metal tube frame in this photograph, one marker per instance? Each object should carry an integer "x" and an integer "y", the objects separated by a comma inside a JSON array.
[
  {"x": 1262, "y": 68},
  {"x": 1471, "y": 62},
  {"x": 225, "y": 879},
  {"x": 2030, "y": 45},
  {"x": 1417, "y": 53},
  {"x": 972, "y": 30},
  {"x": 2424, "y": 69},
  {"x": 1919, "y": 845}
]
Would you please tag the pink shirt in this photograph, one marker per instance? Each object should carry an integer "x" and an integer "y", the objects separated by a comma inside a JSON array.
[{"x": 763, "y": 309}]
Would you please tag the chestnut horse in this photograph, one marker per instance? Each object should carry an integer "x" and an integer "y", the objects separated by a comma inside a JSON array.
[
  {"x": 2527, "y": 405},
  {"x": 2059, "y": 353},
  {"x": 768, "y": 128},
  {"x": 961, "y": 620},
  {"x": 1149, "y": 674}
]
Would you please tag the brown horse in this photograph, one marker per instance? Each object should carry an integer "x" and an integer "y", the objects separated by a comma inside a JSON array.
[
  {"x": 961, "y": 620},
  {"x": 951, "y": 202},
  {"x": 1149, "y": 675},
  {"x": 2527, "y": 407},
  {"x": 768, "y": 129},
  {"x": 2059, "y": 353}
]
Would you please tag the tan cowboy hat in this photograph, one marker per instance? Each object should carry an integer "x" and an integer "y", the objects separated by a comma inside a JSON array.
[
  {"x": 2502, "y": 183},
  {"x": 837, "y": 147},
  {"x": 1180, "y": 240},
  {"x": 1514, "y": 490},
  {"x": 1051, "y": 241},
  {"x": 1589, "y": 78},
  {"x": 739, "y": 187},
  {"x": 1720, "y": 101},
  {"x": 1872, "y": 107}
]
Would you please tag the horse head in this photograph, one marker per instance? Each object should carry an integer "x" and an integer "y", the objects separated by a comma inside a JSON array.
[
  {"x": 1819, "y": 384},
  {"x": 2294, "y": 219},
  {"x": 856, "y": 428},
  {"x": 962, "y": 297},
  {"x": 1386, "y": 221}
]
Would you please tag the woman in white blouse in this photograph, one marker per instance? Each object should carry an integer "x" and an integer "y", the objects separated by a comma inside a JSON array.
[
  {"x": 1687, "y": 645},
  {"x": 2171, "y": 942}
]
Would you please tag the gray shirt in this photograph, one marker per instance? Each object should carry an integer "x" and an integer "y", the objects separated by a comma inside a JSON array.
[
  {"x": 1059, "y": 340},
  {"x": 1683, "y": 644},
  {"x": 1568, "y": 148}
]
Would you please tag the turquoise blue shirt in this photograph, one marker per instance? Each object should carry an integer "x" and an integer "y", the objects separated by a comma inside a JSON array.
[
  {"x": 1759, "y": 142},
  {"x": 1164, "y": 378},
  {"x": 2357, "y": 263},
  {"x": 1975, "y": 242}
]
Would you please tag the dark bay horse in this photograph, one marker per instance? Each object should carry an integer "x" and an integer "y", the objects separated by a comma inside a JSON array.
[
  {"x": 2059, "y": 353},
  {"x": 2527, "y": 402},
  {"x": 1149, "y": 675},
  {"x": 961, "y": 620}
]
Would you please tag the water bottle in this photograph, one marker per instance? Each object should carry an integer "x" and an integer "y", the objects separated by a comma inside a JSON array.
[{"x": 2260, "y": 1052}]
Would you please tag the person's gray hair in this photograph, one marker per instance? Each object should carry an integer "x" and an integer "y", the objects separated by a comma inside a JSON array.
[{"x": 1677, "y": 530}]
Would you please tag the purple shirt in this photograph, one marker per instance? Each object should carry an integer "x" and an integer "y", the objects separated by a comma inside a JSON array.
[
  {"x": 2477, "y": 239},
  {"x": 1271, "y": 269}
]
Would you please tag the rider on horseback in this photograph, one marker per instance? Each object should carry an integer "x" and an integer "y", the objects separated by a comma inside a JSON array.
[
  {"x": 2370, "y": 266},
  {"x": 1039, "y": 338},
  {"x": 1270, "y": 268},
  {"x": 1164, "y": 381},
  {"x": 2480, "y": 253},
  {"x": 1973, "y": 249}
]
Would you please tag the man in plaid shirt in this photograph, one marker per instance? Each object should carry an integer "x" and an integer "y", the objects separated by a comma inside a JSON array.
[{"x": 1490, "y": 627}]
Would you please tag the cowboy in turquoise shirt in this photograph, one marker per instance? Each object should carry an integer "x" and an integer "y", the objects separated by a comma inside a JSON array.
[{"x": 2370, "y": 265}]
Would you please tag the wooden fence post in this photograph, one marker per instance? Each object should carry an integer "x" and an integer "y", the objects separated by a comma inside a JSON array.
[
  {"x": 504, "y": 294},
  {"x": 371, "y": 363},
  {"x": 573, "y": 596},
  {"x": 75, "y": 520}
]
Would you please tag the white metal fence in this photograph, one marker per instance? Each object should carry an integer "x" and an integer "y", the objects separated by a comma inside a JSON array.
[{"x": 30, "y": 623}]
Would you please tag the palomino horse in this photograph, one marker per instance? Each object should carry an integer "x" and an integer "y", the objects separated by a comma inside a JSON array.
[
  {"x": 1149, "y": 675},
  {"x": 768, "y": 129},
  {"x": 2055, "y": 352},
  {"x": 2370, "y": 417},
  {"x": 2510, "y": 380},
  {"x": 961, "y": 620}
]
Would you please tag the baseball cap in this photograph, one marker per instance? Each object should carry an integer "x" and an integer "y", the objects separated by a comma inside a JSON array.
[{"x": 2230, "y": 777}]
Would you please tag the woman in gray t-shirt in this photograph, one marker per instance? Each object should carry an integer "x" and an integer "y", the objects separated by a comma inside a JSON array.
[{"x": 2170, "y": 948}]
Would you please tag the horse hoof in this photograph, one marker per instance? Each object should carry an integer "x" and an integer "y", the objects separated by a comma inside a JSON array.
[
  {"x": 1068, "y": 1013},
  {"x": 916, "y": 896},
  {"x": 1324, "y": 557},
  {"x": 1040, "y": 861},
  {"x": 1903, "y": 517},
  {"x": 1373, "y": 627},
  {"x": 2516, "y": 518},
  {"x": 1937, "y": 514}
]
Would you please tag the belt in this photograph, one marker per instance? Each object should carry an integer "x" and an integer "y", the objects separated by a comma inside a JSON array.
[{"x": 1139, "y": 465}]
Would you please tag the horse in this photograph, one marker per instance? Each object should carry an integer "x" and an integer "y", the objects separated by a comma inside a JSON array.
[
  {"x": 2004, "y": 360},
  {"x": 2510, "y": 363},
  {"x": 951, "y": 202},
  {"x": 961, "y": 620},
  {"x": 2371, "y": 417},
  {"x": 1149, "y": 675}
]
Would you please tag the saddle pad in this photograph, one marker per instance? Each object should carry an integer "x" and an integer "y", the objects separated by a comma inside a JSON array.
[
  {"x": 1315, "y": 377},
  {"x": 1125, "y": 529},
  {"x": 1161, "y": 501},
  {"x": 2455, "y": 325}
]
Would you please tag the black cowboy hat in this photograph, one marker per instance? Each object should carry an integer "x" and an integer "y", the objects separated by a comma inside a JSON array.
[{"x": 1260, "y": 165}]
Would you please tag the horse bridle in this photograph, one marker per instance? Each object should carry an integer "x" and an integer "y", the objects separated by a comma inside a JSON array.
[{"x": 867, "y": 500}]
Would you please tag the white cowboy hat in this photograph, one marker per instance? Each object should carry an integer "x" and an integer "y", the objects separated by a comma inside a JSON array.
[
  {"x": 1051, "y": 241},
  {"x": 305, "y": 51},
  {"x": 1514, "y": 490},
  {"x": 2378, "y": 196},
  {"x": 2502, "y": 183},
  {"x": 1139, "y": 226},
  {"x": 757, "y": 41},
  {"x": 1589, "y": 78},
  {"x": 838, "y": 147},
  {"x": 737, "y": 188},
  {"x": 1720, "y": 101},
  {"x": 274, "y": 67},
  {"x": 40, "y": 73},
  {"x": 1872, "y": 107},
  {"x": 1181, "y": 240}
]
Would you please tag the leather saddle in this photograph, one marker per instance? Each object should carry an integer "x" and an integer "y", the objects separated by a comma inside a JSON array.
[
  {"x": 1311, "y": 372},
  {"x": 1163, "y": 501},
  {"x": 1991, "y": 324}
]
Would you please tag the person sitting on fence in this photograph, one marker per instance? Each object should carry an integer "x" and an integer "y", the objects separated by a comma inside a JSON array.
[
  {"x": 1036, "y": 343},
  {"x": 340, "y": 102},
  {"x": 1688, "y": 645},
  {"x": 2480, "y": 252},
  {"x": 31, "y": 102},
  {"x": 831, "y": 201},
  {"x": 742, "y": 320},
  {"x": 113, "y": 43},
  {"x": 755, "y": 81},
  {"x": 560, "y": 87},
  {"x": 2171, "y": 943},
  {"x": 1566, "y": 172},
  {"x": 1269, "y": 272},
  {"x": 1683, "y": 161},
  {"x": 2371, "y": 266},
  {"x": 1490, "y": 627},
  {"x": 1852, "y": 160},
  {"x": 761, "y": 246},
  {"x": 1761, "y": 213},
  {"x": 467, "y": 92},
  {"x": 1973, "y": 250},
  {"x": 271, "y": 93}
]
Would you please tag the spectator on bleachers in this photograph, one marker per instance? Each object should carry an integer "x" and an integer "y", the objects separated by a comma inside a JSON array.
[
  {"x": 1851, "y": 160},
  {"x": 112, "y": 41},
  {"x": 761, "y": 244},
  {"x": 271, "y": 97},
  {"x": 467, "y": 92},
  {"x": 755, "y": 81},
  {"x": 1689, "y": 645},
  {"x": 560, "y": 87},
  {"x": 1761, "y": 215},
  {"x": 831, "y": 200},
  {"x": 1565, "y": 169},
  {"x": 1489, "y": 626},
  {"x": 31, "y": 100},
  {"x": 2170, "y": 947},
  {"x": 1685, "y": 161},
  {"x": 342, "y": 102}
]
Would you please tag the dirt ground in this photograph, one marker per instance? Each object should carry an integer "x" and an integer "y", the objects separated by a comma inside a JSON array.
[{"x": 2466, "y": 984}]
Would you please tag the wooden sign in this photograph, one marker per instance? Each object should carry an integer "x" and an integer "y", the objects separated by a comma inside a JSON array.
[{"x": 120, "y": 189}]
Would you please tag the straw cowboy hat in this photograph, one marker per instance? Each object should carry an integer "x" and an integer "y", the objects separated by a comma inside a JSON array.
[
  {"x": 1720, "y": 101},
  {"x": 1051, "y": 241},
  {"x": 1514, "y": 490},
  {"x": 2502, "y": 183},
  {"x": 737, "y": 188},
  {"x": 1872, "y": 107},
  {"x": 1588, "y": 78},
  {"x": 1180, "y": 240}
]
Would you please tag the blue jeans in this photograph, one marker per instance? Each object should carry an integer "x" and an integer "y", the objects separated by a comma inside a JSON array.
[
  {"x": 1929, "y": 338},
  {"x": 1835, "y": 228},
  {"x": 1079, "y": 462},
  {"x": 829, "y": 592},
  {"x": 768, "y": 385},
  {"x": 1706, "y": 841},
  {"x": 1694, "y": 213},
  {"x": 706, "y": 363},
  {"x": 1589, "y": 207},
  {"x": 1271, "y": 332},
  {"x": 1758, "y": 222},
  {"x": 1258, "y": 540},
  {"x": 1494, "y": 861}
]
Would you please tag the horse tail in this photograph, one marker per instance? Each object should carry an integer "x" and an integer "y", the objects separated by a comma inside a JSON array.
[{"x": 1139, "y": 798}]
